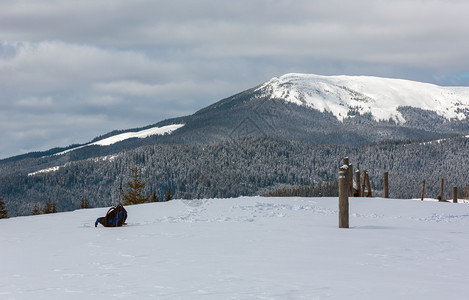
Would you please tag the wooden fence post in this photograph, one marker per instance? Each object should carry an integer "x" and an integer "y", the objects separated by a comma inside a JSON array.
[
  {"x": 423, "y": 189},
  {"x": 455, "y": 194},
  {"x": 363, "y": 183},
  {"x": 345, "y": 163},
  {"x": 350, "y": 179},
  {"x": 440, "y": 198},
  {"x": 343, "y": 199},
  {"x": 386, "y": 185},
  {"x": 357, "y": 181},
  {"x": 368, "y": 186}
]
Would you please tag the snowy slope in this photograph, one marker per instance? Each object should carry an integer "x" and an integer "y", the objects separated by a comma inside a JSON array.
[
  {"x": 128, "y": 135},
  {"x": 379, "y": 96},
  {"x": 139, "y": 134},
  {"x": 244, "y": 248},
  {"x": 115, "y": 139}
]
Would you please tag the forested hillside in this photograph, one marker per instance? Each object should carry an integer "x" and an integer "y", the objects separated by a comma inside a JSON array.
[{"x": 248, "y": 166}]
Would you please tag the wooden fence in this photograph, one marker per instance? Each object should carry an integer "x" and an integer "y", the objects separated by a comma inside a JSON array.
[{"x": 362, "y": 188}]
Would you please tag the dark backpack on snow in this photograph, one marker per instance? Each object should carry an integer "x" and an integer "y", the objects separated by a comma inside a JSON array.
[{"x": 115, "y": 217}]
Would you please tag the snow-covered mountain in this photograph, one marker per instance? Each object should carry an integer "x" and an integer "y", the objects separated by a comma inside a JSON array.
[
  {"x": 381, "y": 97},
  {"x": 318, "y": 109},
  {"x": 241, "y": 248},
  {"x": 353, "y": 110},
  {"x": 302, "y": 109}
]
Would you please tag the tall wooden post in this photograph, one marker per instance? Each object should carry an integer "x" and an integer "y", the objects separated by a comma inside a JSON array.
[
  {"x": 357, "y": 181},
  {"x": 350, "y": 179},
  {"x": 423, "y": 189},
  {"x": 368, "y": 186},
  {"x": 345, "y": 163},
  {"x": 455, "y": 194},
  {"x": 386, "y": 185},
  {"x": 363, "y": 183},
  {"x": 440, "y": 198},
  {"x": 343, "y": 199}
]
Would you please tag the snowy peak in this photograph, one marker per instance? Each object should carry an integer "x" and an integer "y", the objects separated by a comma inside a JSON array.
[{"x": 345, "y": 96}]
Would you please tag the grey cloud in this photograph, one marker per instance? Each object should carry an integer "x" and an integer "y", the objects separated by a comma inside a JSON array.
[{"x": 115, "y": 64}]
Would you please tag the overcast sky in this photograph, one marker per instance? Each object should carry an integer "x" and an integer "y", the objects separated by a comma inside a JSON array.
[{"x": 73, "y": 70}]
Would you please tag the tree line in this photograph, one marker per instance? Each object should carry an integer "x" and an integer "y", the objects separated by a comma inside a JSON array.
[{"x": 249, "y": 166}]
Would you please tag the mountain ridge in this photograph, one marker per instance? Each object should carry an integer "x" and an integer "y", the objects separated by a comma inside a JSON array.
[
  {"x": 324, "y": 110},
  {"x": 251, "y": 119}
]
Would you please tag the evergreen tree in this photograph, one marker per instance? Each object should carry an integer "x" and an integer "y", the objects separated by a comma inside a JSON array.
[
  {"x": 135, "y": 194},
  {"x": 3, "y": 209},
  {"x": 154, "y": 197},
  {"x": 84, "y": 203},
  {"x": 36, "y": 210},
  {"x": 50, "y": 208},
  {"x": 169, "y": 195},
  {"x": 47, "y": 208}
]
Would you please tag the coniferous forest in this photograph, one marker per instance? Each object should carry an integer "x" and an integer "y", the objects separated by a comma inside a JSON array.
[{"x": 249, "y": 166}]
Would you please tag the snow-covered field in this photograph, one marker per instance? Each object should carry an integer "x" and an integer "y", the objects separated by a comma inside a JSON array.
[{"x": 243, "y": 248}]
